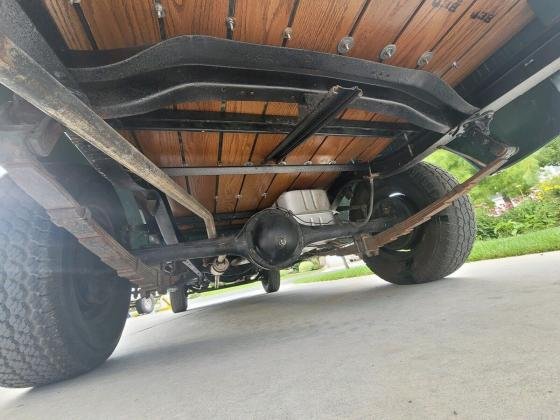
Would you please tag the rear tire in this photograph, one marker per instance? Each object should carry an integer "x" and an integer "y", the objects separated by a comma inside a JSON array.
[
  {"x": 178, "y": 299},
  {"x": 62, "y": 311},
  {"x": 271, "y": 281},
  {"x": 145, "y": 305},
  {"x": 433, "y": 250}
]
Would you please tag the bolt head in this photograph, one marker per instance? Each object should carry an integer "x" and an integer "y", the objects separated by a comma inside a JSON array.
[
  {"x": 345, "y": 45},
  {"x": 287, "y": 34},
  {"x": 387, "y": 52}
]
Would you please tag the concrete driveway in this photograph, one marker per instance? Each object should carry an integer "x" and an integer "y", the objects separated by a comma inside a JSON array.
[{"x": 483, "y": 343}]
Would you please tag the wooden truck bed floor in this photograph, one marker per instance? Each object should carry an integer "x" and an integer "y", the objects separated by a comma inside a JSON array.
[{"x": 460, "y": 34}]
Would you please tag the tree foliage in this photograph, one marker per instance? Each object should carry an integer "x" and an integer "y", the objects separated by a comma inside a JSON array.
[
  {"x": 514, "y": 181},
  {"x": 550, "y": 154}
]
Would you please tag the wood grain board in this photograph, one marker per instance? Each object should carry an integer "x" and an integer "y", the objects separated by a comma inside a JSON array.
[
  {"x": 68, "y": 22},
  {"x": 164, "y": 149},
  {"x": 106, "y": 19},
  {"x": 461, "y": 34},
  {"x": 380, "y": 25},
  {"x": 195, "y": 17},
  {"x": 511, "y": 23},
  {"x": 236, "y": 150}
]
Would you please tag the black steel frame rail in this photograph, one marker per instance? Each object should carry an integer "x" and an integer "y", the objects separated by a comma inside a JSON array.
[
  {"x": 197, "y": 68},
  {"x": 262, "y": 169},
  {"x": 334, "y": 102},
  {"x": 218, "y": 217},
  {"x": 229, "y": 122}
]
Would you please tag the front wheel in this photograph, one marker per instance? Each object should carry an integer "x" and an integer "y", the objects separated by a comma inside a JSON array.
[{"x": 434, "y": 249}]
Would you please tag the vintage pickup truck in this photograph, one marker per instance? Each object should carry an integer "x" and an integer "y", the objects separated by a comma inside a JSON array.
[{"x": 176, "y": 146}]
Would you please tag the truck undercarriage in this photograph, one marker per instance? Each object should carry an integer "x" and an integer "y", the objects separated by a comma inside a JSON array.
[{"x": 199, "y": 161}]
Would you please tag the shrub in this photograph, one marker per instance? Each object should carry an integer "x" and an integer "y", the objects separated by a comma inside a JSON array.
[
  {"x": 305, "y": 266},
  {"x": 533, "y": 214}
]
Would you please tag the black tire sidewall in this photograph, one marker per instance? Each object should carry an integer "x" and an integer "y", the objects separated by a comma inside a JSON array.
[
  {"x": 178, "y": 299},
  {"x": 428, "y": 258},
  {"x": 91, "y": 341},
  {"x": 271, "y": 281}
]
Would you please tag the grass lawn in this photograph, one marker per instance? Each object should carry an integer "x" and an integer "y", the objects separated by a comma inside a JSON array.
[{"x": 528, "y": 243}]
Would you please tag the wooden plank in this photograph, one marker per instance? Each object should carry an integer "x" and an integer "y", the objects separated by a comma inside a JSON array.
[
  {"x": 426, "y": 28},
  {"x": 320, "y": 24},
  {"x": 212, "y": 106},
  {"x": 68, "y": 23},
  {"x": 201, "y": 149},
  {"x": 366, "y": 152},
  {"x": 349, "y": 153},
  {"x": 282, "y": 182},
  {"x": 328, "y": 151},
  {"x": 122, "y": 23},
  {"x": 202, "y": 187},
  {"x": 261, "y": 22},
  {"x": 200, "y": 17},
  {"x": 236, "y": 150},
  {"x": 163, "y": 148},
  {"x": 376, "y": 147},
  {"x": 254, "y": 186},
  {"x": 466, "y": 34},
  {"x": 282, "y": 108},
  {"x": 380, "y": 25},
  {"x": 519, "y": 16}
]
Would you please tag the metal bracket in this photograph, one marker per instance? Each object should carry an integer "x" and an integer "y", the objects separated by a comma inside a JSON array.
[
  {"x": 332, "y": 104},
  {"x": 478, "y": 124},
  {"x": 193, "y": 268},
  {"x": 307, "y": 167}
]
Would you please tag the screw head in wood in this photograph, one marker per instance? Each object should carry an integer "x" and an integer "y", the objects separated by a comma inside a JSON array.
[
  {"x": 387, "y": 52},
  {"x": 230, "y": 23},
  {"x": 287, "y": 33},
  {"x": 425, "y": 59},
  {"x": 345, "y": 45}
]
